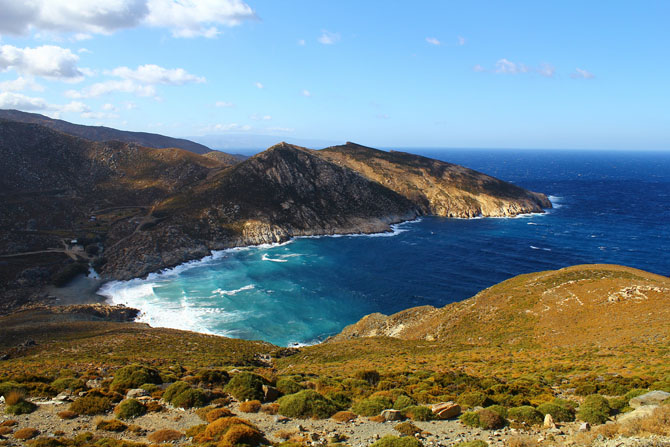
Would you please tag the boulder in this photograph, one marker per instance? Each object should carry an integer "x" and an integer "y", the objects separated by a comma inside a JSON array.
[
  {"x": 638, "y": 413},
  {"x": 270, "y": 393},
  {"x": 650, "y": 398},
  {"x": 446, "y": 410},
  {"x": 549, "y": 421},
  {"x": 585, "y": 427},
  {"x": 135, "y": 393},
  {"x": 392, "y": 415},
  {"x": 94, "y": 383}
]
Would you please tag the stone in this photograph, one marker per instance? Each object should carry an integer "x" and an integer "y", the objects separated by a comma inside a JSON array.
[
  {"x": 392, "y": 415},
  {"x": 650, "y": 398},
  {"x": 446, "y": 410},
  {"x": 93, "y": 383},
  {"x": 585, "y": 427},
  {"x": 281, "y": 419},
  {"x": 549, "y": 421},
  {"x": 64, "y": 396},
  {"x": 135, "y": 393},
  {"x": 640, "y": 412},
  {"x": 270, "y": 393}
]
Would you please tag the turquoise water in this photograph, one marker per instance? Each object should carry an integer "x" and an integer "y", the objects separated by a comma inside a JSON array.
[{"x": 610, "y": 207}]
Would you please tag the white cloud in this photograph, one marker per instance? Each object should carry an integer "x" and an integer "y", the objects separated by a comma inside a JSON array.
[
  {"x": 432, "y": 41},
  {"x": 328, "y": 38},
  {"x": 82, "y": 36},
  {"x": 20, "y": 84},
  {"x": 154, "y": 74},
  {"x": 229, "y": 127},
  {"x": 281, "y": 129},
  {"x": 84, "y": 51},
  {"x": 505, "y": 66},
  {"x": 478, "y": 68},
  {"x": 461, "y": 40},
  {"x": 306, "y": 93},
  {"x": 302, "y": 42},
  {"x": 259, "y": 85},
  {"x": 185, "y": 18},
  {"x": 103, "y": 88},
  {"x": 48, "y": 61},
  {"x": 75, "y": 107},
  {"x": 546, "y": 70},
  {"x": 99, "y": 115},
  {"x": 223, "y": 104},
  {"x": 582, "y": 74},
  {"x": 109, "y": 107},
  {"x": 10, "y": 100},
  {"x": 261, "y": 117}
]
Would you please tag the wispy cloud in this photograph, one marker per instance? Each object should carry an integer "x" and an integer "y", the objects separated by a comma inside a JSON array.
[
  {"x": 306, "y": 93},
  {"x": 461, "y": 40},
  {"x": 20, "y": 84},
  {"x": 478, "y": 68},
  {"x": 433, "y": 41},
  {"x": 546, "y": 70},
  {"x": 259, "y": 85},
  {"x": 257, "y": 117},
  {"x": 582, "y": 74},
  {"x": 154, "y": 74},
  {"x": 505, "y": 66},
  {"x": 328, "y": 38},
  {"x": 302, "y": 42},
  {"x": 223, "y": 104}
]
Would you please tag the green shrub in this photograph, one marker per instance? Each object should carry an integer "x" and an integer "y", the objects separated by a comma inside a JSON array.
[
  {"x": 502, "y": 411},
  {"x": 469, "y": 418},
  {"x": 595, "y": 410},
  {"x": 7, "y": 387},
  {"x": 419, "y": 413},
  {"x": 134, "y": 376},
  {"x": 246, "y": 386},
  {"x": 407, "y": 429},
  {"x": 91, "y": 405},
  {"x": 21, "y": 407},
  {"x": 634, "y": 393},
  {"x": 526, "y": 414},
  {"x": 371, "y": 406},
  {"x": 306, "y": 404},
  {"x": 288, "y": 386},
  {"x": 490, "y": 420},
  {"x": 68, "y": 383},
  {"x": 111, "y": 425},
  {"x": 477, "y": 443},
  {"x": 473, "y": 399},
  {"x": 557, "y": 412},
  {"x": 150, "y": 387},
  {"x": 403, "y": 401},
  {"x": 585, "y": 389},
  {"x": 341, "y": 400},
  {"x": 213, "y": 377},
  {"x": 181, "y": 394},
  {"x": 130, "y": 408},
  {"x": 394, "y": 441},
  {"x": 618, "y": 404},
  {"x": 370, "y": 376}
]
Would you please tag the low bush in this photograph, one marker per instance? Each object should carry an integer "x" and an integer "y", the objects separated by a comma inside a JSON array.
[
  {"x": 288, "y": 386},
  {"x": 26, "y": 433},
  {"x": 217, "y": 413},
  {"x": 213, "y": 377},
  {"x": 150, "y": 387},
  {"x": 180, "y": 394},
  {"x": 370, "y": 376},
  {"x": 165, "y": 435},
  {"x": 419, "y": 413},
  {"x": 196, "y": 430},
  {"x": 231, "y": 431},
  {"x": 595, "y": 410},
  {"x": 306, "y": 404},
  {"x": 473, "y": 399},
  {"x": 111, "y": 425},
  {"x": 134, "y": 376},
  {"x": 68, "y": 383},
  {"x": 403, "y": 401},
  {"x": 251, "y": 406},
  {"x": 16, "y": 404},
  {"x": 502, "y": 411},
  {"x": 341, "y": 400},
  {"x": 5, "y": 430},
  {"x": 394, "y": 441},
  {"x": 477, "y": 443},
  {"x": 130, "y": 408},
  {"x": 407, "y": 429},
  {"x": 271, "y": 409},
  {"x": 7, "y": 387},
  {"x": 372, "y": 406},
  {"x": 525, "y": 414},
  {"x": 490, "y": 420},
  {"x": 558, "y": 413},
  {"x": 246, "y": 386},
  {"x": 344, "y": 416}
]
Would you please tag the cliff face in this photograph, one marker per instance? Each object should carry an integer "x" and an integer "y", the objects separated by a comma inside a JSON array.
[
  {"x": 585, "y": 304},
  {"x": 137, "y": 210},
  {"x": 436, "y": 187}
]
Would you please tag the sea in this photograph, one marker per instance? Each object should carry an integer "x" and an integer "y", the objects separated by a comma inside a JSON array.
[{"x": 608, "y": 207}]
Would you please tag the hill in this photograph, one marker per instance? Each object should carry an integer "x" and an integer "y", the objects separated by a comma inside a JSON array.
[{"x": 102, "y": 133}]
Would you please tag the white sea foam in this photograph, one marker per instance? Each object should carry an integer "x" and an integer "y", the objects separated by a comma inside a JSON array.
[
  {"x": 555, "y": 201},
  {"x": 540, "y": 248},
  {"x": 265, "y": 257},
  {"x": 234, "y": 292}
]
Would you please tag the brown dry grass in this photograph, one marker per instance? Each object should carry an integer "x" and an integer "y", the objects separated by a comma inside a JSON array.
[
  {"x": 9, "y": 423},
  {"x": 165, "y": 435},
  {"x": 271, "y": 409},
  {"x": 522, "y": 441},
  {"x": 5, "y": 430},
  {"x": 251, "y": 406},
  {"x": 14, "y": 397},
  {"x": 657, "y": 423},
  {"x": 26, "y": 433},
  {"x": 67, "y": 414},
  {"x": 217, "y": 413},
  {"x": 344, "y": 416},
  {"x": 113, "y": 425}
]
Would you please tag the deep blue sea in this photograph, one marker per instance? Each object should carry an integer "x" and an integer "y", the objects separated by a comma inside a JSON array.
[{"x": 609, "y": 207}]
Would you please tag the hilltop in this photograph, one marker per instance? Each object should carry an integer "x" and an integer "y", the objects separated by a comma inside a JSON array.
[
  {"x": 102, "y": 133},
  {"x": 129, "y": 210}
]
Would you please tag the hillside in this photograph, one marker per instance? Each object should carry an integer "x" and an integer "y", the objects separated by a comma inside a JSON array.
[
  {"x": 129, "y": 210},
  {"x": 102, "y": 133},
  {"x": 438, "y": 188}
]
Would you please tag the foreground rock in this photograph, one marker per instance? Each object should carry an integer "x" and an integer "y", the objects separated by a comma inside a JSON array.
[{"x": 651, "y": 398}]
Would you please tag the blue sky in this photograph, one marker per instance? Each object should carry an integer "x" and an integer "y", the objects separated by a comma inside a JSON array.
[{"x": 520, "y": 74}]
